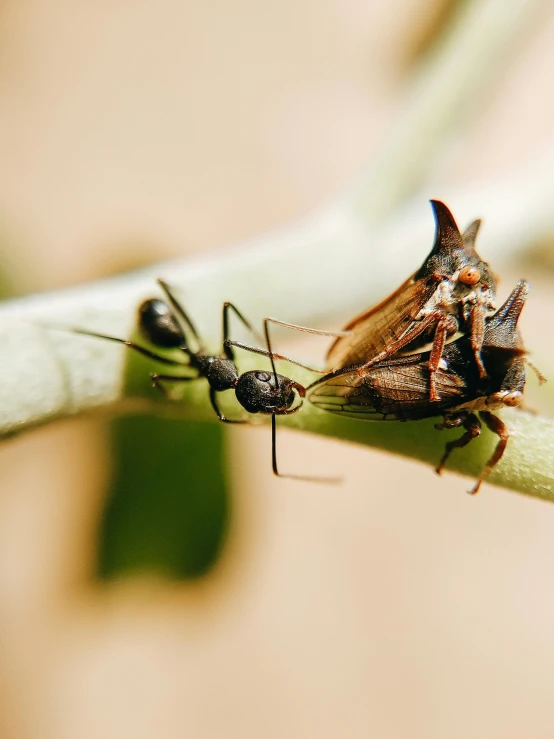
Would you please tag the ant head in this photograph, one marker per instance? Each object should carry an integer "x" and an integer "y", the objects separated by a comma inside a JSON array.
[
  {"x": 266, "y": 392},
  {"x": 158, "y": 324}
]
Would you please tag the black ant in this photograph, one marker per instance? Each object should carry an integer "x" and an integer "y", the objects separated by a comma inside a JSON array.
[{"x": 167, "y": 325}]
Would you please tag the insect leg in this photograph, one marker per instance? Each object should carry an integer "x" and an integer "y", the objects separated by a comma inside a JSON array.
[
  {"x": 274, "y": 446},
  {"x": 158, "y": 379},
  {"x": 218, "y": 411},
  {"x": 183, "y": 314},
  {"x": 227, "y": 343},
  {"x": 477, "y": 327},
  {"x": 472, "y": 426},
  {"x": 327, "y": 480},
  {"x": 396, "y": 346},
  {"x": 445, "y": 326},
  {"x": 493, "y": 423},
  {"x": 435, "y": 358}
]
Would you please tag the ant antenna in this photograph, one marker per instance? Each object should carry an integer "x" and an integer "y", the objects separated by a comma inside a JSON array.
[
  {"x": 271, "y": 359},
  {"x": 131, "y": 344},
  {"x": 273, "y": 355}
]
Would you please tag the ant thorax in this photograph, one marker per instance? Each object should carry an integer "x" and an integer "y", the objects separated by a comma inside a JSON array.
[{"x": 221, "y": 373}]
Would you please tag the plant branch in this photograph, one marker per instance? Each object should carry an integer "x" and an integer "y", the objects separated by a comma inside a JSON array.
[
  {"x": 527, "y": 466},
  {"x": 338, "y": 260}
]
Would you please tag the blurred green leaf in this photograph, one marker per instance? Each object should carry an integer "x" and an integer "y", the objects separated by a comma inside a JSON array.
[{"x": 167, "y": 508}]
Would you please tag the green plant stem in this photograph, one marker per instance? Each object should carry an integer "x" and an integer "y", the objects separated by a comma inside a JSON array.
[
  {"x": 340, "y": 259},
  {"x": 527, "y": 466}
]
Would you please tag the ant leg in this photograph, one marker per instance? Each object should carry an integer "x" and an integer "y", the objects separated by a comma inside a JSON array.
[
  {"x": 217, "y": 409},
  {"x": 327, "y": 480},
  {"x": 158, "y": 379},
  {"x": 183, "y": 315},
  {"x": 494, "y": 424},
  {"x": 473, "y": 429},
  {"x": 131, "y": 345},
  {"x": 227, "y": 343}
]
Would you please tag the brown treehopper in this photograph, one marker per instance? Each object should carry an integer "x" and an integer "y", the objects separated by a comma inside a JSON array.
[
  {"x": 454, "y": 290},
  {"x": 397, "y": 389}
]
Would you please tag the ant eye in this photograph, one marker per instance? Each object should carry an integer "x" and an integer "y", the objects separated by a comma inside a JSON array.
[
  {"x": 469, "y": 276},
  {"x": 263, "y": 376}
]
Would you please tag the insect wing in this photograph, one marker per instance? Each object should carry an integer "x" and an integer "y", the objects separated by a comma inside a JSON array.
[
  {"x": 380, "y": 329},
  {"x": 396, "y": 390},
  {"x": 452, "y": 280}
]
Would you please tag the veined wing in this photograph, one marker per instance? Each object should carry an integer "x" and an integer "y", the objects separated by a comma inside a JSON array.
[
  {"x": 378, "y": 331},
  {"x": 395, "y": 390}
]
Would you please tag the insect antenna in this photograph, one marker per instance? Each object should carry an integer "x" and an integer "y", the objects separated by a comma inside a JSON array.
[
  {"x": 301, "y": 391},
  {"x": 273, "y": 355},
  {"x": 265, "y": 353},
  {"x": 307, "y": 330},
  {"x": 270, "y": 353},
  {"x": 130, "y": 344},
  {"x": 540, "y": 377}
]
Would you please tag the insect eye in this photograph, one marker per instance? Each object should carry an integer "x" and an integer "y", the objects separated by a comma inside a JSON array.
[
  {"x": 512, "y": 399},
  {"x": 469, "y": 275}
]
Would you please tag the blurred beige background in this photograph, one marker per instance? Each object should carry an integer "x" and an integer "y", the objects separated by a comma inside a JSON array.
[{"x": 393, "y": 606}]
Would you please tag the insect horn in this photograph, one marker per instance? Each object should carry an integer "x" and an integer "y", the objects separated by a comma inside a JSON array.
[
  {"x": 470, "y": 235},
  {"x": 447, "y": 234},
  {"x": 501, "y": 329}
]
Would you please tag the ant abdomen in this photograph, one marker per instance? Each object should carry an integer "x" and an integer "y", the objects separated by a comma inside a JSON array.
[{"x": 157, "y": 323}]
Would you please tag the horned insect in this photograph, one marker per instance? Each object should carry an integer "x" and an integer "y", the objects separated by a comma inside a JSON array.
[
  {"x": 396, "y": 389},
  {"x": 166, "y": 325},
  {"x": 454, "y": 290}
]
